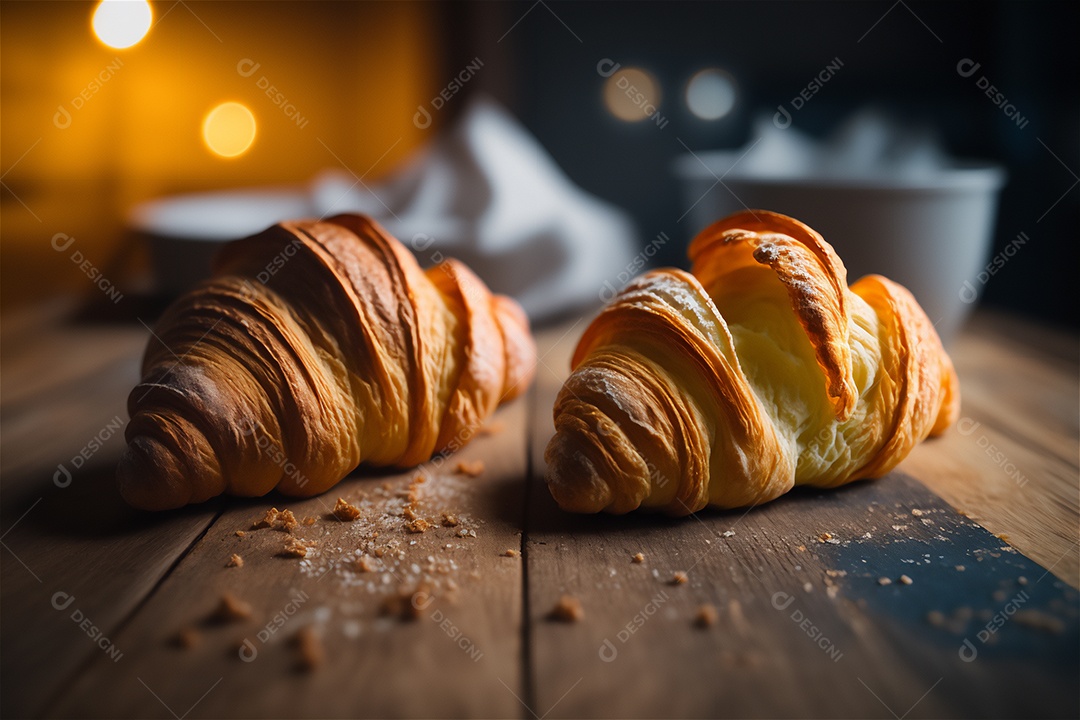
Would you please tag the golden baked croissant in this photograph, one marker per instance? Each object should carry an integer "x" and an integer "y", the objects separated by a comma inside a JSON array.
[
  {"x": 318, "y": 345},
  {"x": 760, "y": 371}
]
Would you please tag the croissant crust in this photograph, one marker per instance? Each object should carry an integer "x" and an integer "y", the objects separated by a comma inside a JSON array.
[
  {"x": 758, "y": 371},
  {"x": 317, "y": 345}
]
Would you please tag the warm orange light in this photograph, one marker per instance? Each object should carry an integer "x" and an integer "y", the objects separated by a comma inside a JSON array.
[
  {"x": 632, "y": 94},
  {"x": 229, "y": 129},
  {"x": 122, "y": 23}
]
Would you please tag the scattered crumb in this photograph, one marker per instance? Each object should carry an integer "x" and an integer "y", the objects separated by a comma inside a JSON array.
[
  {"x": 309, "y": 520},
  {"x": 463, "y": 533},
  {"x": 277, "y": 520},
  {"x": 345, "y": 512},
  {"x": 510, "y": 553},
  {"x": 824, "y": 537},
  {"x": 679, "y": 578},
  {"x": 568, "y": 609},
  {"x": 295, "y": 547},
  {"x": 187, "y": 639},
  {"x": 230, "y": 609},
  {"x": 1039, "y": 621},
  {"x": 309, "y": 648},
  {"x": 706, "y": 616},
  {"x": 235, "y": 561},
  {"x": 960, "y": 568},
  {"x": 935, "y": 618},
  {"x": 905, "y": 580},
  {"x": 999, "y": 596},
  {"x": 808, "y": 587},
  {"x": 836, "y": 573},
  {"x": 728, "y": 533},
  {"x": 801, "y": 548},
  {"x": 1022, "y": 580},
  {"x": 365, "y": 564},
  {"x": 472, "y": 469},
  {"x": 449, "y": 520},
  {"x": 1002, "y": 536},
  {"x": 406, "y": 605},
  {"x": 884, "y": 581},
  {"x": 917, "y": 513},
  {"x": 418, "y": 525},
  {"x": 240, "y": 533},
  {"x": 638, "y": 559}
]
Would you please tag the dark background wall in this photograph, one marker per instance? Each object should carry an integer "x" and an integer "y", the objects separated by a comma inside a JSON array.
[{"x": 899, "y": 56}]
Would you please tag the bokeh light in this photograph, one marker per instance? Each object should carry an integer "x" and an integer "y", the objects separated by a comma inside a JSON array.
[
  {"x": 229, "y": 129},
  {"x": 122, "y": 23},
  {"x": 632, "y": 94},
  {"x": 711, "y": 94}
]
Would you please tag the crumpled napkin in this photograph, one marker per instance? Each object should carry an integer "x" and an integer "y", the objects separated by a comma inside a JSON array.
[{"x": 486, "y": 192}]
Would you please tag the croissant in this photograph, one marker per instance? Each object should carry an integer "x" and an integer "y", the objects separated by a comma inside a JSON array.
[
  {"x": 759, "y": 371},
  {"x": 316, "y": 346}
]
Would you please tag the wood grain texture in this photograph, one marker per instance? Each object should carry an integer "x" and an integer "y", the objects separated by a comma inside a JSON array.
[
  {"x": 460, "y": 655},
  {"x": 797, "y": 611}
]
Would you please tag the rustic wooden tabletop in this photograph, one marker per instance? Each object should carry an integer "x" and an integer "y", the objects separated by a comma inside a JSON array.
[{"x": 945, "y": 589}]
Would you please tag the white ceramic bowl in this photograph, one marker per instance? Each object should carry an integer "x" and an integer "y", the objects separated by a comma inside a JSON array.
[
  {"x": 184, "y": 232},
  {"x": 930, "y": 232}
]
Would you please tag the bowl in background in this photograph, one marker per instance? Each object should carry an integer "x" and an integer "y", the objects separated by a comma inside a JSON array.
[{"x": 930, "y": 231}]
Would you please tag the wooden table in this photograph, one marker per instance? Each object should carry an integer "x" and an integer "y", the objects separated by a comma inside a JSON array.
[{"x": 107, "y": 612}]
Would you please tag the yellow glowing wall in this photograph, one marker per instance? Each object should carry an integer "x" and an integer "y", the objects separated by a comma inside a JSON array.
[{"x": 103, "y": 129}]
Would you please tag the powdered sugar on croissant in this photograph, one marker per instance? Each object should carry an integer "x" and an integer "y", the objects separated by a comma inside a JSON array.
[
  {"x": 760, "y": 371},
  {"x": 317, "y": 346}
]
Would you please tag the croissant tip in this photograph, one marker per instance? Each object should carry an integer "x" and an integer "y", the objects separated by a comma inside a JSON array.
[
  {"x": 572, "y": 479},
  {"x": 148, "y": 477}
]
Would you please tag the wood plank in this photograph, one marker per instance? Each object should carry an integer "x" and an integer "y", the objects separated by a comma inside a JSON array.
[
  {"x": 874, "y": 648},
  {"x": 79, "y": 540},
  {"x": 460, "y": 656}
]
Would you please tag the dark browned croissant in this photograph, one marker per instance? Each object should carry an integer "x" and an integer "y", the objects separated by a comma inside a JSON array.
[{"x": 317, "y": 346}]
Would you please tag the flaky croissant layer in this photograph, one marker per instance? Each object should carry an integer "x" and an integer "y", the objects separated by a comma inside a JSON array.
[
  {"x": 759, "y": 371},
  {"x": 317, "y": 346}
]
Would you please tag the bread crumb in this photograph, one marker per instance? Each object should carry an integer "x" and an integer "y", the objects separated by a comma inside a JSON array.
[
  {"x": 935, "y": 618},
  {"x": 836, "y": 573},
  {"x": 568, "y": 610},
  {"x": 239, "y": 533},
  {"x": 230, "y": 609},
  {"x": 884, "y": 581},
  {"x": 638, "y": 559},
  {"x": 728, "y": 533},
  {"x": 679, "y": 578},
  {"x": 345, "y": 512},
  {"x": 916, "y": 512},
  {"x": 905, "y": 580},
  {"x": 463, "y": 533},
  {"x": 808, "y": 587},
  {"x": 418, "y": 525},
  {"x": 295, "y": 547},
  {"x": 365, "y": 564},
  {"x": 379, "y": 552},
  {"x": 187, "y": 639},
  {"x": 449, "y": 520},
  {"x": 309, "y": 520},
  {"x": 472, "y": 469},
  {"x": 277, "y": 520},
  {"x": 960, "y": 568},
  {"x": 706, "y": 616},
  {"x": 824, "y": 537},
  {"x": 235, "y": 561},
  {"x": 801, "y": 548},
  {"x": 309, "y": 649},
  {"x": 406, "y": 605},
  {"x": 1022, "y": 580},
  {"x": 510, "y": 553}
]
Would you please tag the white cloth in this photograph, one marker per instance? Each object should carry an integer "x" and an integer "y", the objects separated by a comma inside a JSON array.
[{"x": 487, "y": 193}]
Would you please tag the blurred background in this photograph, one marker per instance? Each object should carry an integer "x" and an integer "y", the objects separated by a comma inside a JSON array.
[{"x": 92, "y": 129}]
